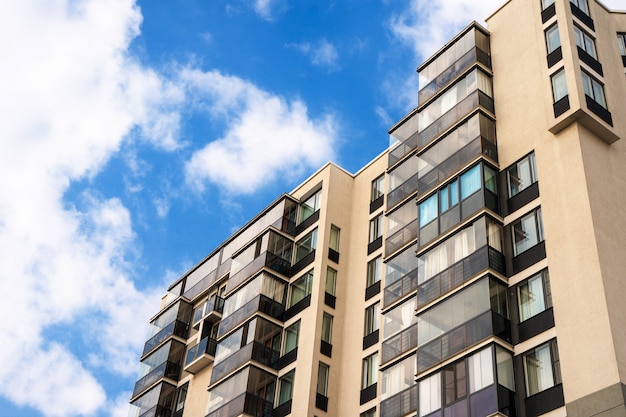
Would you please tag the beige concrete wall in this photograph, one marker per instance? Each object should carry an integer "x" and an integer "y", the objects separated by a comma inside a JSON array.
[{"x": 571, "y": 200}]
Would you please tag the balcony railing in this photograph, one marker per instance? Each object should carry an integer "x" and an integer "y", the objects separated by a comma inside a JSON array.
[
  {"x": 266, "y": 259},
  {"x": 407, "y": 133},
  {"x": 400, "y": 238},
  {"x": 400, "y": 288},
  {"x": 201, "y": 285},
  {"x": 473, "y": 331},
  {"x": 176, "y": 328},
  {"x": 167, "y": 369},
  {"x": 201, "y": 355},
  {"x": 247, "y": 403},
  {"x": 157, "y": 411},
  {"x": 211, "y": 309},
  {"x": 399, "y": 344},
  {"x": 260, "y": 303},
  {"x": 400, "y": 404},
  {"x": 255, "y": 351},
  {"x": 470, "y": 57},
  {"x": 452, "y": 116},
  {"x": 401, "y": 192},
  {"x": 458, "y": 273}
]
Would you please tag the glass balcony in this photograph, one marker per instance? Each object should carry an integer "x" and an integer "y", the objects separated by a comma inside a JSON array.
[
  {"x": 245, "y": 404},
  {"x": 255, "y": 351},
  {"x": 402, "y": 237},
  {"x": 405, "y": 285},
  {"x": 401, "y": 192},
  {"x": 449, "y": 344},
  {"x": 210, "y": 310},
  {"x": 167, "y": 369},
  {"x": 401, "y": 404},
  {"x": 200, "y": 355},
  {"x": 260, "y": 303},
  {"x": 201, "y": 285},
  {"x": 399, "y": 344},
  {"x": 472, "y": 56},
  {"x": 175, "y": 328},
  {"x": 458, "y": 273},
  {"x": 452, "y": 116},
  {"x": 266, "y": 259},
  {"x": 403, "y": 139}
]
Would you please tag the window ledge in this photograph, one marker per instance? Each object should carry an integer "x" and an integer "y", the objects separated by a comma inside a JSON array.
[{"x": 590, "y": 121}]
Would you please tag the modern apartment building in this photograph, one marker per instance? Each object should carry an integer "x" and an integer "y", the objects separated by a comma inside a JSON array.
[{"x": 475, "y": 268}]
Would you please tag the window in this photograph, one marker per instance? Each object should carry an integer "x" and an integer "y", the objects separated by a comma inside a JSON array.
[
  {"x": 181, "y": 396},
  {"x": 585, "y": 42},
  {"x": 480, "y": 367},
  {"x": 504, "y": 366},
  {"x": 374, "y": 271},
  {"x": 290, "y": 341},
  {"x": 331, "y": 281},
  {"x": 322, "y": 379},
  {"x": 376, "y": 228},
  {"x": 527, "y": 232},
  {"x": 621, "y": 41},
  {"x": 378, "y": 188},
  {"x": 310, "y": 205},
  {"x": 371, "y": 319},
  {"x": 301, "y": 288},
  {"x": 521, "y": 175},
  {"x": 327, "y": 328},
  {"x": 470, "y": 182},
  {"x": 449, "y": 196},
  {"x": 582, "y": 5},
  {"x": 305, "y": 246},
  {"x": 593, "y": 89},
  {"x": 285, "y": 388},
  {"x": 541, "y": 368},
  {"x": 559, "y": 85},
  {"x": 430, "y": 394},
  {"x": 369, "y": 413},
  {"x": 546, "y": 3},
  {"x": 454, "y": 385},
  {"x": 428, "y": 210},
  {"x": 369, "y": 374},
  {"x": 553, "y": 40},
  {"x": 334, "y": 238},
  {"x": 534, "y": 295}
]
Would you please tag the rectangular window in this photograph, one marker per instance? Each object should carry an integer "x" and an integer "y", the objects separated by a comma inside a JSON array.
[
  {"x": 504, "y": 367},
  {"x": 430, "y": 394},
  {"x": 527, "y": 232},
  {"x": 301, "y": 288},
  {"x": 376, "y": 228},
  {"x": 369, "y": 413},
  {"x": 553, "y": 40},
  {"x": 378, "y": 188},
  {"x": 305, "y": 246},
  {"x": 582, "y": 5},
  {"x": 534, "y": 295},
  {"x": 593, "y": 89},
  {"x": 449, "y": 196},
  {"x": 285, "y": 388},
  {"x": 585, "y": 42},
  {"x": 369, "y": 374},
  {"x": 334, "y": 238},
  {"x": 621, "y": 41},
  {"x": 522, "y": 174},
  {"x": 559, "y": 85},
  {"x": 541, "y": 368},
  {"x": 310, "y": 206},
  {"x": 480, "y": 370},
  {"x": 327, "y": 328},
  {"x": 290, "y": 341},
  {"x": 428, "y": 210},
  {"x": 470, "y": 182},
  {"x": 546, "y": 3},
  {"x": 374, "y": 271},
  {"x": 323, "y": 372},
  {"x": 331, "y": 281},
  {"x": 454, "y": 382},
  {"x": 371, "y": 319}
]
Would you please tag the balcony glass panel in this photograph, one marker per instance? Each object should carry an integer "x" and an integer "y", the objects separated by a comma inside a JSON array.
[
  {"x": 177, "y": 328},
  {"x": 453, "y": 59},
  {"x": 401, "y": 404},
  {"x": 399, "y": 344},
  {"x": 403, "y": 139},
  {"x": 200, "y": 355},
  {"x": 402, "y": 182},
  {"x": 399, "y": 318},
  {"x": 179, "y": 311},
  {"x": 263, "y": 284},
  {"x": 155, "y": 402},
  {"x": 214, "y": 305},
  {"x": 398, "y": 378},
  {"x": 469, "y": 140},
  {"x": 400, "y": 275}
]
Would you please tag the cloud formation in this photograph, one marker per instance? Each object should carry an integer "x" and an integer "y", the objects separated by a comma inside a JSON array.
[
  {"x": 322, "y": 53},
  {"x": 267, "y": 136}
]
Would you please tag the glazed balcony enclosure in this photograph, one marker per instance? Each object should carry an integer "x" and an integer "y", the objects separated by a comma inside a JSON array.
[
  {"x": 164, "y": 362},
  {"x": 210, "y": 310},
  {"x": 201, "y": 355},
  {"x": 174, "y": 321},
  {"x": 248, "y": 392},
  {"x": 401, "y": 227},
  {"x": 156, "y": 402},
  {"x": 475, "y": 313},
  {"x": 258, "y": 340}
]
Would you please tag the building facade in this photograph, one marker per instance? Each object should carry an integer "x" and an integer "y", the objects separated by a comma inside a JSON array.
[{"x": 475, "y": 268}]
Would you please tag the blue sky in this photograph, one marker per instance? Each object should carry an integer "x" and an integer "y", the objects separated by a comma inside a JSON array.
[{"x": 138, "y": 135}]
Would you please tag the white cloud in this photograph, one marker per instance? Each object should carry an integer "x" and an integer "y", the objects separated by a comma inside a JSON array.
[
  {"x": 267, "y": 136},
  {"x": 70, "y": 95},
  {"x": 267, "y": 9},
  {"x": 322, "y": 54}
]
